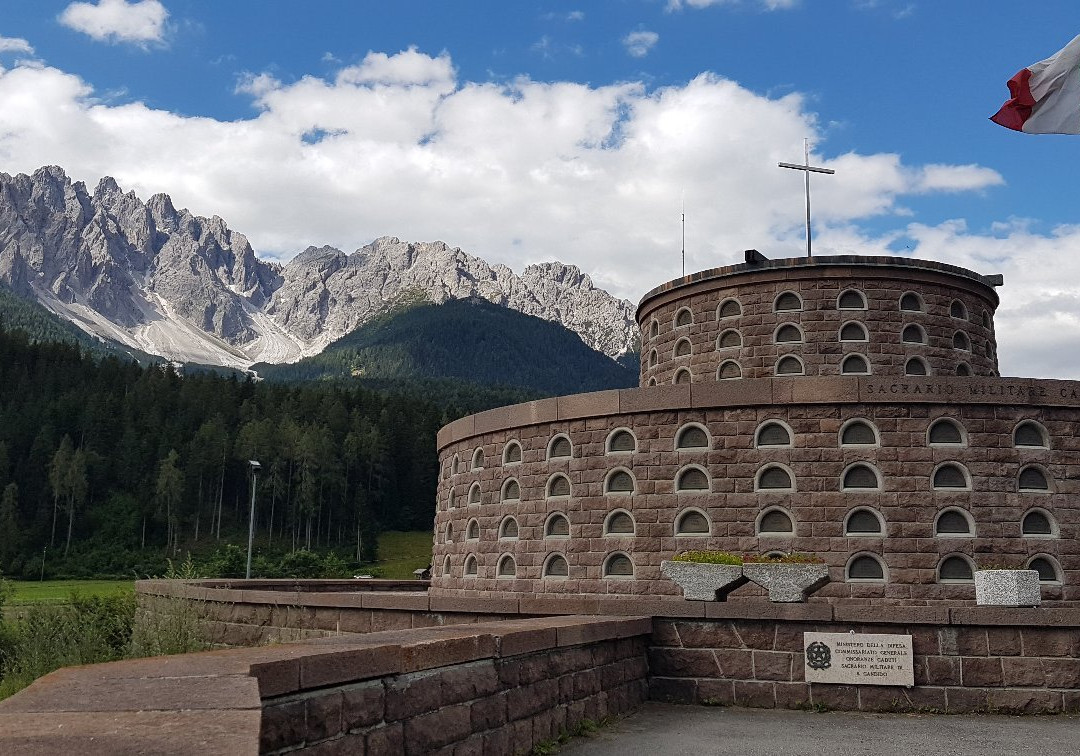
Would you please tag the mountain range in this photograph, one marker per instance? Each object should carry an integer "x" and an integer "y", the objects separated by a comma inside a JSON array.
[{"x": 164, "y": 281}]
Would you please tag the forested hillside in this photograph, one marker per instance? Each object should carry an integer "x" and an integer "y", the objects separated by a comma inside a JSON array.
[
  {"x": 106, "y": 466},
  {"x": 464, "y": 340},
  {"x": 41, "y": 325}
]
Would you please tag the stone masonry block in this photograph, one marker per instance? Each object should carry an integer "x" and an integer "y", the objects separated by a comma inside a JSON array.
[
  {"x": 488, "y": 713},
  {"x": 755, "y": 694},
  {"x": 388, "y": 738},
  {"x": 683, "y": 662},
  {"x": 323, "y": 716},
  {"x": 363, "y": 705},
  {"x": 672, "y": 690},
  {"x": 412, "y": 694},
  {"x": 527, "y": 700},
  {"x": 772, "y": 665},
  {"x": 283, "y": 725},
  {"x": 981, "y": 672},
  {"x": 426, "y": 732}
]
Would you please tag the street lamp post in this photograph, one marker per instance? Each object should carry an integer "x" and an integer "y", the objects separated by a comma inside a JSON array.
[{"x": 255, "y": 467}]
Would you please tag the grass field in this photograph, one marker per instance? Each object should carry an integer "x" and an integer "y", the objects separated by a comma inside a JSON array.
[
  {"x": 59, "y": 591},
  {"x": 402, "y": 552}
]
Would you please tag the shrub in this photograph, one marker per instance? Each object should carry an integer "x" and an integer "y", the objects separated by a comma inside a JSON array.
[
  {"x": 185, "y": 570},
  {"x": 169, "y": 626},
  {"x": 47, "y": 637},
  {"x": 334, "y": 566},
  {"x": 301, "y": 564},
  {"x": 7, "y": 637},
  {"x": 708, "y": 557},
  {"x": 230, "y": 561}
]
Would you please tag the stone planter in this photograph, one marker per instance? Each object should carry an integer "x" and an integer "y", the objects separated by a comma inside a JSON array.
[
  {"x": 1007, "y": 588},
  {"x": 703, "y": 582},
  {"x": 787, "y": 582}
]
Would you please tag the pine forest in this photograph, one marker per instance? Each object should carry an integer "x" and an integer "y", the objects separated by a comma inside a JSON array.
[{"x": 111, "y": 468}]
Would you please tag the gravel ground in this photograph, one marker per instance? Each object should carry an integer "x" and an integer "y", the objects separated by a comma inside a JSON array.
[{"x": 696, "y": 731}]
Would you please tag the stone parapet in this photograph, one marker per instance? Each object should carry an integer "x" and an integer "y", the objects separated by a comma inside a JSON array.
[
  {"x": 498, "y": 688},
  {"x": 503, "y": 686}
]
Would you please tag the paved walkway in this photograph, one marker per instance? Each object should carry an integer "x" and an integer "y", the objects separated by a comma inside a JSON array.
[{"x": 661, "y": 729}]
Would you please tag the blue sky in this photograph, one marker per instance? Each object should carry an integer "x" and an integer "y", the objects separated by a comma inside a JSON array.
[{"x": 529, "y": 131}]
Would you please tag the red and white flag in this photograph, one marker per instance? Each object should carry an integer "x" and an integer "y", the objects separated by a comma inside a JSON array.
[{"x": 1045, "y": 95}]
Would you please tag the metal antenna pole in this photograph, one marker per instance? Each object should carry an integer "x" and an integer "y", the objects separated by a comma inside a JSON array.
[
  {"x": 806, "y": 162},
  {"x": 684, "y": 243},
  {"x": 255, "y": 466},
  {"x": 807, "y": 169}
]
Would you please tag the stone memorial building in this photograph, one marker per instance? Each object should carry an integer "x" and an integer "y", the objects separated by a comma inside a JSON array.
[{"x": 847, "y": 407}]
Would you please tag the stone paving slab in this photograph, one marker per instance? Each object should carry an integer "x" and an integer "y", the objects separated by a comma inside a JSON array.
[
  {"x": 674, "y": 730},
  {"x": 222, "y": 733}
]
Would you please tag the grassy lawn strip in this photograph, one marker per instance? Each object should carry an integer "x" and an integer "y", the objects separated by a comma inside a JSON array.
[
  {"x": 402, "y": 552},
  {"x": 59, "y": 591}
]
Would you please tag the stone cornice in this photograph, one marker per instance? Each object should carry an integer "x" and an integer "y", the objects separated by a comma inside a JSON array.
[
  {"x": 1033, "y": 392},
  {"x": 816, "y": 268}
]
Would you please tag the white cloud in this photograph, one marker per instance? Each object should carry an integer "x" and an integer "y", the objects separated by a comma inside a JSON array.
[
  {"x": 1038, "y": 321},
  {"x": 526, "y": 171},
  {"x": 549, "y": 49},
  {"x": 639, "y": 43},
  {"x": 15, "y": 45},
  {"x": 116, "y": 21},
  {"x": 410, "y": 67},
  {"x": 958, "y": 178},
  {"x": 675, "y": 5},
  {"x": 574, "y": 15}
]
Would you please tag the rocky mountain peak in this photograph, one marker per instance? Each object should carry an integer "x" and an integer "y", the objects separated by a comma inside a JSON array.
[{"x": 190, "y": 288}]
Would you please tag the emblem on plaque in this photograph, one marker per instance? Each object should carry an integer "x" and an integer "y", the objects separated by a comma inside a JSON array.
[{"x": 818, "y": 656}]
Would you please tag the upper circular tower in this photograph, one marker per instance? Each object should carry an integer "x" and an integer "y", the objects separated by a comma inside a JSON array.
[{"x": 842, "y": 315}]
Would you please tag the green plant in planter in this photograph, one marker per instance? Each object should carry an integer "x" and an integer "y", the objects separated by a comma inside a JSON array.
[
  {"x": 708, "y": 557},
  {"x": 794, "y": 557}
]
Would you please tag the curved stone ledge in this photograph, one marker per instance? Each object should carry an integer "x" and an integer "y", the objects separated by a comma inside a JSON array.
[
  {"x": 831, "y": 266},
  {"x": 755, "y": 392},
  {"x": 446, "y": 607}
]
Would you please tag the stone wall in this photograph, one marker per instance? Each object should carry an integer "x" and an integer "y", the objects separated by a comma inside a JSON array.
[
  {"x": 966, "y": 660},
  {"x": 475, "y": 507},
  {"x": 503, "y": 697},
  {"x": 498, "y": 688},
  {"x": 752, "y": 343},
  {"x": 282, "y": 611},
  {"x": 503, "y": 686}
]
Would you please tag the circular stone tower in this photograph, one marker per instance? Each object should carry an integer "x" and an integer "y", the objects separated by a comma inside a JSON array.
[{"x": 848, "y": 407}]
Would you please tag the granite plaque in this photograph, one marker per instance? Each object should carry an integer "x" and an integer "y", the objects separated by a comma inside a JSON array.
[{"x": 858, "y": 659}]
